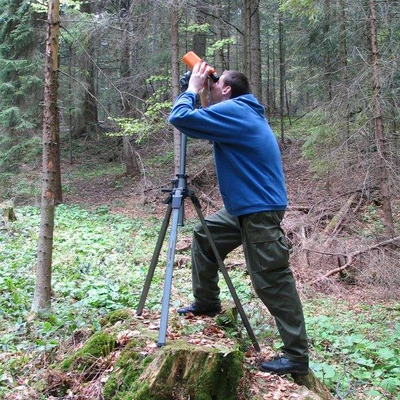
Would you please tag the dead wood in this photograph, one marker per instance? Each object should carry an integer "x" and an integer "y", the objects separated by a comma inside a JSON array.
[
  {"x": 298, "y": 208},
  {"x": 193, "y": 372},
  {"x": 350, "y": 257},
  {"x": 337, "y": 220},
  {"x": 7, "y": 212},
  {"x": 208, "y": 200},
  {"x": 194, "y": 178}
]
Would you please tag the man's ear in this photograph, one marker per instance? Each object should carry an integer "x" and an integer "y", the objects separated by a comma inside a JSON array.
[{"x": 226, "y": 92}]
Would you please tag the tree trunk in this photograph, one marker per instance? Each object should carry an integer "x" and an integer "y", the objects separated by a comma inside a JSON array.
[
  {"x": 86, "y": 120},
  {"x": 200, "y": 39},
  {"x": 268, "y": 92},
  {"x": 345, "y": 71},
  {"x": 379, "y": 129},
  {"x": 255, "y": 51},
  {"x": 281, "y": 77},
  {"x": 175, "y": 76},
  {"x": 128, "y": 153},
  {"x": 222, "y": 58},
  {"x": 42, "y": 294},
  {"x": 327, "y": 57},
  {"x": 251, "y": 45},
  {"x": 246, "y": 15}
]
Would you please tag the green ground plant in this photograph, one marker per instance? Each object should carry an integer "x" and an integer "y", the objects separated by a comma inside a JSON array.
[
  {"x": 355, "y": 347},
  {"x": 100, "y": 263}
]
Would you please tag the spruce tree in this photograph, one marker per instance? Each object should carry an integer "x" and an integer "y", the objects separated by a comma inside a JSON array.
[{"x": 21, "y": 81}]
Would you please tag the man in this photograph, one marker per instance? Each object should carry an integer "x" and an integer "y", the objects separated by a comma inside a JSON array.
[{"x": 251, "y": 180}]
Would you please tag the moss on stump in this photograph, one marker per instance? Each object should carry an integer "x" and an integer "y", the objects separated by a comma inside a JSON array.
[
  {"x": 176, "y": 371},
  {"x": 195, "y": 373}
]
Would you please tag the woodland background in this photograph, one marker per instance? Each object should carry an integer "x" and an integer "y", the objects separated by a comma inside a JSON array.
[{"x": 326, "y": 71}]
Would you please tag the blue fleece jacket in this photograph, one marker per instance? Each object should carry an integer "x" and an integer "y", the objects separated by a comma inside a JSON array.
[{"x": 247, "y": 157}]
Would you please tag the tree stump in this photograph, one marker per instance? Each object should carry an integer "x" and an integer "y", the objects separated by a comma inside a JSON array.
[
  {"x": 7, "y": 212},
  {"x": 192, "y": 373}
]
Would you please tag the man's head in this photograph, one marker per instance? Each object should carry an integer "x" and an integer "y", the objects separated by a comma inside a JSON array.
[{"x": 231, "y": 84}]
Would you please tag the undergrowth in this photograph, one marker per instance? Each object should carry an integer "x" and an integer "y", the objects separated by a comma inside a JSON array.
[{"x": 100, "y": 262}]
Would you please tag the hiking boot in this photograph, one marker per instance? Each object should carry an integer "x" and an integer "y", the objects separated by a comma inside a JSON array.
[
  {"x": 198, "y": 310},
  {"x": 282, "y": 366}
]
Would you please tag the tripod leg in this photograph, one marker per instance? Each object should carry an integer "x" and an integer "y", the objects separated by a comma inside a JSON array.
[
  {"x": 168, "y": 279},
  {"x": 225, "y": 274},
  {"x": 154, "y": 260}
]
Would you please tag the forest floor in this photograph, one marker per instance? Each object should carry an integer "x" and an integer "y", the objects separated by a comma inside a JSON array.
[{"x": 96, "y": 179}]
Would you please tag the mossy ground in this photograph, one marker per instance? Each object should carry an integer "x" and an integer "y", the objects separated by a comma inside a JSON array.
[{"x": 101, "y": 344}]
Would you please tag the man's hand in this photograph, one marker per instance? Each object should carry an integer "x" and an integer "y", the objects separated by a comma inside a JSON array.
[{"x": 199, "y": 79}]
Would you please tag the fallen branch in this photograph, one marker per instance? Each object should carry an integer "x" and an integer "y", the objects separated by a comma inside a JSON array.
[
  {"x": 208, "y": 200},
  {"x": 350, "y": 257},
  {"x": 337, "y": 220},
  {"x": 298, "y": 208},
  {"x": 197, "y": 176}
]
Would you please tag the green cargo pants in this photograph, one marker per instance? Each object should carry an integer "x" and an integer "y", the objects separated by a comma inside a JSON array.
[{"x": 267, "y": 259}]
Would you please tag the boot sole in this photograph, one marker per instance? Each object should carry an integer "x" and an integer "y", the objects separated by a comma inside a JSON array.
[
  {"x": 295, "y": 372},
  {"x": 197, "y": 314}
]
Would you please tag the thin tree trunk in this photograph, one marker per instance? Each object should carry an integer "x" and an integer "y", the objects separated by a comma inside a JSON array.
[
  {"x": 379, "y": 128},
  {"x": 281, "y": 77},
  {"x": 70, "y": 69},
  {"x": 42, "y": 295},
  {"x": 222, "y": 60},
  {"x": 251, "y": 45},
  {"x": 327, "y": 58},
  {"x": 255, "y": 50},
  {"x": 87, "y": 118},
  {"x": 128, "y": 153},
  {"x": 345, "y": 71},
  {"x": 246, "y": 16},
  {"x": 268, "y": 89},
  {"x": 175, "y": 77},
  {"x": 273, "y": 90},
  {"x": 200, "y": 39}
]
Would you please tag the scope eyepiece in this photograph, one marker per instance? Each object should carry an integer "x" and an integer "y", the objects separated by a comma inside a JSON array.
[{"x": 214, "y": 77}]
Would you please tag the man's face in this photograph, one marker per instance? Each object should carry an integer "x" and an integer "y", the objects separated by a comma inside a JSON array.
[{"x": 218, "y": 90}]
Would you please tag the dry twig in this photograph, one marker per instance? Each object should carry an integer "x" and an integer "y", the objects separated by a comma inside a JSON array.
[{"x": 351, "y": 256}]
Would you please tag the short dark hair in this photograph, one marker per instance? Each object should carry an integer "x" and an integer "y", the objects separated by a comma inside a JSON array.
[{"x": 238, "y": 82}]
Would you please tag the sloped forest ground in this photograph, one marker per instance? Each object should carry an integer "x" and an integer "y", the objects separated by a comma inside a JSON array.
[
  {"x": 96, "y": 181},
  {"x": 326, "y": 223}
]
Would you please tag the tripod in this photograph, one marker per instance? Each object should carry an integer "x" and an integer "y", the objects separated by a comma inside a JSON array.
[{"x": 175, "y": 203}]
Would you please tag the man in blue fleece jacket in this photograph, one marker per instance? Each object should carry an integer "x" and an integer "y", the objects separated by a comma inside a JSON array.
[{"x": 251, "y": 180}]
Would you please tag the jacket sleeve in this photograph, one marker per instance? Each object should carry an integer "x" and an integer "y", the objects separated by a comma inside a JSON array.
[{"x": 220, "y": 122}]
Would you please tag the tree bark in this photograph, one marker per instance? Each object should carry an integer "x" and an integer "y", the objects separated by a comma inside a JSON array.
[
  {"x": 200, "y": 39},
  {"x": 379, "y": 128},
  {"x": 86, "y": 120},
  {"x": 281, "y": 77},
  {"x": 128, "y": 153},
  {"x": 251, "y": 46},
  {"x": 246, "y": 15},
  {"x": 42, "y": 294},
  {"x": 255, "y": 51},
  {"x": 175, "y": 77}
]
